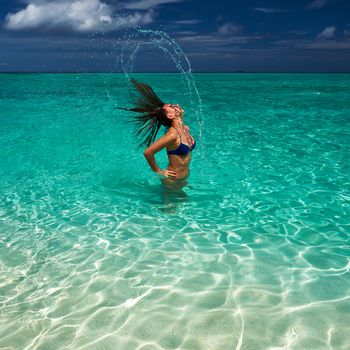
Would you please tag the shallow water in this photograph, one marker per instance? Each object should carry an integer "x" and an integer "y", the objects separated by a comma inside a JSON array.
[{"x": 252, "y": 254}]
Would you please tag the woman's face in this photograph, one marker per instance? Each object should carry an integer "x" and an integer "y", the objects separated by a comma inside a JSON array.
[{"x": 173, "y": 111}]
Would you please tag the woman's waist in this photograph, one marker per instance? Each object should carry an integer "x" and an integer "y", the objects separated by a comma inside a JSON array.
[
  {"x": 179, "y": 162},
  {"x": 181, "y": 172},
  {"x": 178, "y": 166}
]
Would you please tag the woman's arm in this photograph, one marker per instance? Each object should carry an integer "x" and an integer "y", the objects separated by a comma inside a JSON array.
[{"x": 149, "y": 153}]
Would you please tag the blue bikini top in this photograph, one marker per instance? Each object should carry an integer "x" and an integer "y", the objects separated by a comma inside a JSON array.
[{"x": 183, "y": 149}]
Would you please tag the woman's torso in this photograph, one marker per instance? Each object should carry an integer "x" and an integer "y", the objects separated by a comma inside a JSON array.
[{"x": 180, "y": 162}]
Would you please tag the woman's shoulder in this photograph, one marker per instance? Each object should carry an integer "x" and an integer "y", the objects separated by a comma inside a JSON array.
[{"x": 171, "y": 132}]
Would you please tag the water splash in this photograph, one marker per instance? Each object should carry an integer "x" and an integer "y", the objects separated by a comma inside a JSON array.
[{"x": 130, "y": 47}]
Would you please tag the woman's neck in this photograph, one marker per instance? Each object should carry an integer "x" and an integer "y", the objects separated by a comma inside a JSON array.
[{"x": 177, "y": 123}]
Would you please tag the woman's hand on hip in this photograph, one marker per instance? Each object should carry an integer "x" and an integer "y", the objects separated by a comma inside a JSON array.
[{"x": 167, "y": 173}]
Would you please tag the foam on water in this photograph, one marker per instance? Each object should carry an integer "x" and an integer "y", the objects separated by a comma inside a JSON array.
[{"x": 252, "y": 254}]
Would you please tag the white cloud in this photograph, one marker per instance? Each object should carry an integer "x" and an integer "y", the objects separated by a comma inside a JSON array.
[
  {"x": 188, "y": 21},
  {"x": 147, "y": 4},
  {"x": 76, "y": 15},
  {"x": 327, "y": 33},
  {"x": 270, "y": 10},
  {"x": 230, "y": 29},
  {"x": 317, "y": 4}
]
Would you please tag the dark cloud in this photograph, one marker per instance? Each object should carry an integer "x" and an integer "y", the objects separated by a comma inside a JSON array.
[
  {"x": 271, "y": 10},
  {"x": 230, "y": 28},
  {"x": 317, "y": 4},
  {"x": 147, "y": 4}
]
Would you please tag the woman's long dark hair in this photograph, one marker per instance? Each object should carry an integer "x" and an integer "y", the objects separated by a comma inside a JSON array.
[{"x": 151, "y": 114}]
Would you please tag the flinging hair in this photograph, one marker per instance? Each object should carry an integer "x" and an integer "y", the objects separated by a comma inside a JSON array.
[{"x": 151, "y": 115}]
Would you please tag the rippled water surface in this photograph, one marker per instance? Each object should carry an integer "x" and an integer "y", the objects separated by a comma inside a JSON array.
[{"x": 95, "y": 253}]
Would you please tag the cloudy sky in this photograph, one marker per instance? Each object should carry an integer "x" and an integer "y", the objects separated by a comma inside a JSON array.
[{"x": 220, "y": 35}]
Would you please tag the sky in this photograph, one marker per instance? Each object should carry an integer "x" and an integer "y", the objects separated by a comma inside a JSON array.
[{"x": 216, "y": 36}]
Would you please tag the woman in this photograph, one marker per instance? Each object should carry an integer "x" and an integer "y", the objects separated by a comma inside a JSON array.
[{"x": 153, "y": 113}]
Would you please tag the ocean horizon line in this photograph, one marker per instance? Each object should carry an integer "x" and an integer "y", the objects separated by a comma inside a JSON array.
[{"x": 172, "y": 72}]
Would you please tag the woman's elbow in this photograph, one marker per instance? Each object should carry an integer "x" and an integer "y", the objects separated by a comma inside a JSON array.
[{"x": 147, "y": 153}]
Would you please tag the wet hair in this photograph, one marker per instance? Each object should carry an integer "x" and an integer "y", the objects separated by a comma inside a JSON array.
[{"x": 151, "y": 115}]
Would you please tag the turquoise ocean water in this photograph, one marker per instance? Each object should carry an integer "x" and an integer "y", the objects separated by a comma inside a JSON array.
[{"x": 252, "y": 254}]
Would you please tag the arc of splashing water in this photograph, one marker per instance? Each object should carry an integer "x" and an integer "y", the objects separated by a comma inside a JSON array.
[{"x": 161, "y": 40}]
